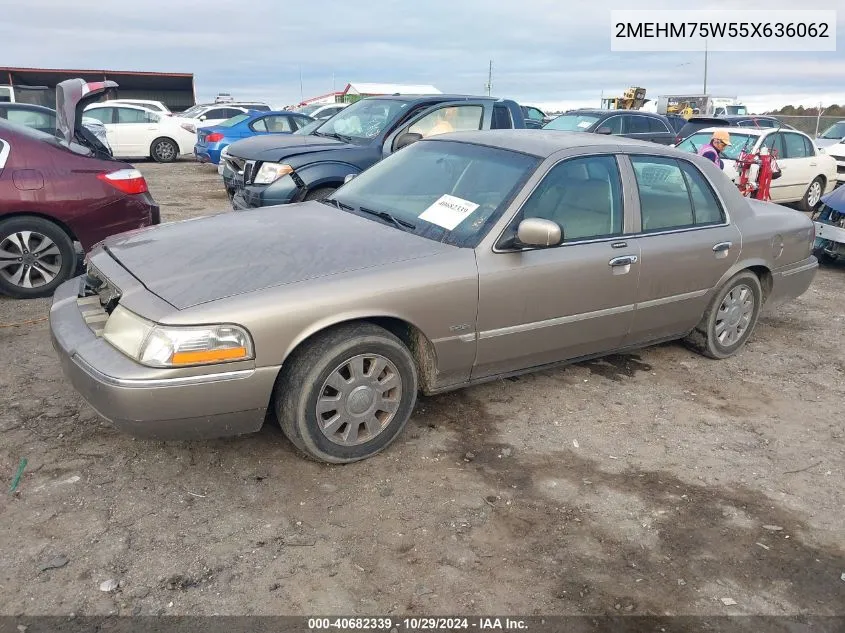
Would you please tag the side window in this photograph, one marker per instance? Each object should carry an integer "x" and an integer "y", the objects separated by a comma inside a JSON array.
[
  {"x": 775, "y": 142},
  {"x": 501, "y": 118},
  {"x": 449, "y": 119},
  {"x": 809, "y": 149},
  {"x": 259, "y": 125},
  {"x": 664, "y": 200},
  {"x": 794, "y": 145},
  {"x": 705, "y": 206},
  {"x": 300, "y": 122},
  {"x": 656, "y": 126},
  {"x": 103, "y": 115},
  {"x": 614, "y": 123},
  {"x": 583, "y": 195},
  {"x": 535, "y": 114},
  {"x": 278, "y": 123},
  {"x": 28, "y": 118},
  {"x": 129, "y": 115},
  {"x": 636, "y": 124}
]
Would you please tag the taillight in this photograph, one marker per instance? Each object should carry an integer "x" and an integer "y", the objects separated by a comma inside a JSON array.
[
  {"x": 214, "y": 137},
  {"x": 128, "y": 181}
]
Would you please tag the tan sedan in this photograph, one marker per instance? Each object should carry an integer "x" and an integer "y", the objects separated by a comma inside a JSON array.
[{"x": 460, "y": 259}]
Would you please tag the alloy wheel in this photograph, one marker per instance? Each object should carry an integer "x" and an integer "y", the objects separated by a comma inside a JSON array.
[
  {"x": 734, "y": 315},
  {"x": 359, "y": 399},
  {"x": 164, "y": 151},
  {"x": 814, "y": 194},
  {"x": 29, "y": 259}
]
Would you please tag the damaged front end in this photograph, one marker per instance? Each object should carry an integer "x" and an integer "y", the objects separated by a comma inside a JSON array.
[{"x": 829, "y": 220}]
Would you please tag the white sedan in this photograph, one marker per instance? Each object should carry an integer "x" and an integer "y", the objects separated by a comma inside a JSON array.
[
  {"x": 135, "y": 132},
  {"x": 807, "y": 172}
]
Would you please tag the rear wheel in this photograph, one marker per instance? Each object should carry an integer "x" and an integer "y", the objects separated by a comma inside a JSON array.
[
  {"x": 813, "y": 195},
  {"x": 164, "y": 150},
  {"x": 320, "y": 194},
  {"x": 347, "y": 394},
  {"x": 730, "y": 318},
  {"x": 35, "y": 257}
]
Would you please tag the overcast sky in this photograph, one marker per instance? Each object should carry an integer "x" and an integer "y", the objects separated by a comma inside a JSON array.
[{"x": 543, "y": 51}]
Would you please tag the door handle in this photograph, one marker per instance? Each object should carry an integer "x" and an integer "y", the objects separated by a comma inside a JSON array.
[
  {"x": 624, "y": 260},
  {"x": 812, "y": 164},
  {"x": 722, "y": 246}
]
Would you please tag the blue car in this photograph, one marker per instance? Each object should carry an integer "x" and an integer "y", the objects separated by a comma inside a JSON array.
[{"x": 212, "y": 139}]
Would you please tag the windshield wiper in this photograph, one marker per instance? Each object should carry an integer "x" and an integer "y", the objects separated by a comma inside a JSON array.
[
  {"x": 338, "y": 204},
  {"x": 335, "y": 135},
  {"x": 402, "y": 225}
]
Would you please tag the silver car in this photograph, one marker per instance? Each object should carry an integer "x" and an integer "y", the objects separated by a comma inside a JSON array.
[{"x": 463, "y": 258}]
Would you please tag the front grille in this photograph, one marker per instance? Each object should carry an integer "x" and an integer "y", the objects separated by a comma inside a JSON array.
[
  {"x": 236, "y": 164},
  {"x": 249, "y": 169}
]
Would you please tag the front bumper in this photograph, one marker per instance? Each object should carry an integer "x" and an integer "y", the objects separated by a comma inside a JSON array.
[
  {"x": 283, "y": 191},
  {"x": 146, "y": 402},
  {"x": 790, "y": 282}
]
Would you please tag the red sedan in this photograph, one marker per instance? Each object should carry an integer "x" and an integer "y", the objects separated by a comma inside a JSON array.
[{"x": 57, "y": 189}]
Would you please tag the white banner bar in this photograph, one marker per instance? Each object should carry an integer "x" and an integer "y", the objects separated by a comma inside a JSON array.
[{"x": 723, "y": 30}]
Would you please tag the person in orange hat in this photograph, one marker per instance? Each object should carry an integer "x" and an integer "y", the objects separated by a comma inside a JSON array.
[{"x": 712, "y": 150}]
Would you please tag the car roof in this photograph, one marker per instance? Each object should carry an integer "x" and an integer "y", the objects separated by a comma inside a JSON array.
[
  {"x": 28, "y": 106},
  {"x": 433, "y": 98},
  {"x": 542, "y": 143},
  {"x": 615, "y": 111},
  {"x": 130, "y": 106},
  {"x": 754, "y": 131}
]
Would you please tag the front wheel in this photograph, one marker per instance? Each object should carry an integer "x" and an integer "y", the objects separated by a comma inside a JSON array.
[
  {"x": 35, "y": 257},
  {"x": 164, "y": 150},
  {"x": 730, "y": 318},
  {"x": 813, "y": 195},
  {"x": 347, "y": 394},
  {"x": 320, "y": 194}
]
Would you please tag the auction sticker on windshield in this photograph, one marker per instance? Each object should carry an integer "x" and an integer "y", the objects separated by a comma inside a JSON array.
[{"x": 448, "y": 211}]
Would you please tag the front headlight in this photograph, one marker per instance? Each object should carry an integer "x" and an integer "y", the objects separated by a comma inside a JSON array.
[
  {"x": 270, "y": 172},
  {"x": 157, "y": 345}
]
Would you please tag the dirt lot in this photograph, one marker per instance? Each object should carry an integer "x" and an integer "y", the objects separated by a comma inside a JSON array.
[{"x": 657, "y": 483}]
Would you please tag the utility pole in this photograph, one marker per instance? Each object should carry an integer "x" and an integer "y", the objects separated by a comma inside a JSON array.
[
  {"x": 301, "y": 92},
  {"x": 705, "y": 66},
  {"x": 489, "y": 85}
]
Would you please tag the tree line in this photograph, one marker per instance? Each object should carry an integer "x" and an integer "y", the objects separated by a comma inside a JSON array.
[{"x": 790, "y": 110}]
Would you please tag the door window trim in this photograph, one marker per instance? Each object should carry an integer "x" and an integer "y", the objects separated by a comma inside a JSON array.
[
  {"x": 698, "y": 227},
  {"x": 608, "y": 238},
  {"x": 5, "y": 150}
]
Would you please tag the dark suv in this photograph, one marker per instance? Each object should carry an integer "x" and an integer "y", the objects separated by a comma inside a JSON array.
[
  {"x": 696, "y": 123},
  {"x": 644, "y": 126}
]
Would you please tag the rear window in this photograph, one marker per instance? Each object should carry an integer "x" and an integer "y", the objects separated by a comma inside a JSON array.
[
  {"x": 234, "y": 120},
  {"x": 36, "y": 135}
]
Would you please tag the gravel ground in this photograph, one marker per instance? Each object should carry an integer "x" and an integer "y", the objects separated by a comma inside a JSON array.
[{"x": 657, "y": 483}]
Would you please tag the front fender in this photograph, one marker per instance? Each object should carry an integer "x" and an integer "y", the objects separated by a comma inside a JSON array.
[{"x": 325, "y": 174}]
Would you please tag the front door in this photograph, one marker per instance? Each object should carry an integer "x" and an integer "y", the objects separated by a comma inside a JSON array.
[
  {"x": 450, "y": 116},
  {"x": 539, "y": 306},
  {"x": 686, "y": 247}
]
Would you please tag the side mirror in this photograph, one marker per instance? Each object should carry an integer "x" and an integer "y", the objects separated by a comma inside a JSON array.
[
  {"x": 538, "y": 232},
  {"x": 604, "y": 130},
  {"x": 348, "y": 178},
  {"x": 203, "y": 118},
  {"x": 406, "y": 139}
]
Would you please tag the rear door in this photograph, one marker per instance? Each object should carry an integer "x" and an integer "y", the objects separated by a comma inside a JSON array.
[
  {"x": 135, "y": 129},
  {"x": 686, "y": 245},
  {"x": 539, "y": 306},
  {"x": 659, "y": 131},
  {"x": 785, "y": 188},
  {"x": 801, "y": 163}
]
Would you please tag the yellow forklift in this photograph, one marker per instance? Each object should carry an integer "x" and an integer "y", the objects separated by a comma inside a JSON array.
[{"x": 632, "y": 99}]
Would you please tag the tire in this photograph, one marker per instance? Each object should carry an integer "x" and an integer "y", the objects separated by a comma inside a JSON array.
[
  {"x": 320, "y": 194},
  {"x": 164, "y": 150},
  {"x": 46, "y": 257},
  {"x": 705, "y": 338},
  {"x": 814, "y": 192},
  {"x": 305, "y": 379}
]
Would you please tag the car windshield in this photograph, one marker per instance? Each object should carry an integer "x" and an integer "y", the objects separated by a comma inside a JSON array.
[
  {"x": 309, "y": 128},
  {"x": 446, "y": 191},
  {"x": 694, "y": 143},
  {"x": 309, "y": 108},
  {"x": 572, "y": 122},
  {"x": 234, "y": 120},
  {"x": 364, "y": 119},
  {"x": 193, "y": 111},
  {"x": 835, "y": 131}
]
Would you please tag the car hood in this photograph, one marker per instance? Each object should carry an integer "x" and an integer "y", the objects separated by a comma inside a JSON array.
[
  {"x": 274, "y": 147},
  {"x": 204, "y": 259}
]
